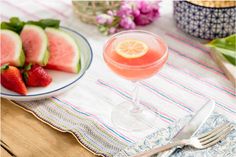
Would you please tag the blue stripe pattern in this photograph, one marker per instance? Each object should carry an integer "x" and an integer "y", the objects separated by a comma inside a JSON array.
[
  {"x": 75, "y": 109},
  {"x": 183, "y": 55},
  {"x": 159, "y": 93},
  {"x": 188, "y": 43},
  {"x": 196, "y": 92},
  {"x": 130, "y": 98},
  {"x": 203, "y": 81}
]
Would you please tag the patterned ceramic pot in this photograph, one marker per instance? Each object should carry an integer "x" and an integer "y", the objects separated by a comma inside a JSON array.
[{"x": 205, "y": 22}]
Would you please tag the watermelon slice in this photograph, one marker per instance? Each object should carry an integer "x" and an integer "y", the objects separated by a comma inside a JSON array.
[
  {"x": 35, "y": 44},
  {"x": 64, "y": 51},
  {"x": 11, "y": 48}
]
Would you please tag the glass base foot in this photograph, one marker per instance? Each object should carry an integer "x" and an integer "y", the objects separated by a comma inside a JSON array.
[{"x": 128, "y": 118}]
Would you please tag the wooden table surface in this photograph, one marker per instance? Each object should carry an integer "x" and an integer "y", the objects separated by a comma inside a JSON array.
[{"x": 23, "y": 135}]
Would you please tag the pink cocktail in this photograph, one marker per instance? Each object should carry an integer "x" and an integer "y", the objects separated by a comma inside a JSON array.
[{"x": 134, "y": 55}]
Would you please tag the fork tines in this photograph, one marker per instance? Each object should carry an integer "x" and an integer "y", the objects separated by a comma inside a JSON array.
[{"x": 210, "y": 138}]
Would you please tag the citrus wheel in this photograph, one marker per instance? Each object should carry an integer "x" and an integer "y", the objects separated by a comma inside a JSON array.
[{"x": 131, "y": 48}]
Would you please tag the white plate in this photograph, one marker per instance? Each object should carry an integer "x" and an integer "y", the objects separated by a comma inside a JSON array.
[{"x": 62, "y": 81}]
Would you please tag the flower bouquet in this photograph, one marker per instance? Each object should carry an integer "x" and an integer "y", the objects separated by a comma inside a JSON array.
[{"x": 128, "y": 16}]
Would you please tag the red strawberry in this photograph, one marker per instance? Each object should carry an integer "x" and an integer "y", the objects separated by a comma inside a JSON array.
[
  {"x": 11, "y": 79},
  {"x": 36, "y": 76}
]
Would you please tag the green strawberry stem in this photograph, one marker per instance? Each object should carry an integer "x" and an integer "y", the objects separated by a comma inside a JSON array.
[
  {"x": 4, "y": 67},
  {"x": 28, "y": 67}
]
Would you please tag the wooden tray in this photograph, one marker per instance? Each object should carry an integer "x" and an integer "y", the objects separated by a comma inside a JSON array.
[{"x": 229, "y": 69}]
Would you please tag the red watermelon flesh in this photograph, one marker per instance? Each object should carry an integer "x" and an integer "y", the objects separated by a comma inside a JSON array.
[
  {"x": 64, "y": 51},
  {"x": 35, "y": 44},
  {"x": 11, "y": 48}
]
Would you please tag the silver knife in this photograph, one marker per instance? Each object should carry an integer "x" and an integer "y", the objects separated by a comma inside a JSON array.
[{"x": 192, "y": 127}]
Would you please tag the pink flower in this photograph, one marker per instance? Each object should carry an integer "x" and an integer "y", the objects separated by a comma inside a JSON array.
[
  {"x": 112, "y": 30},
  {"x": 104, "y": 19},
  {"x": 130, "y": 14},
  {"x": 136, "y": 12},
  {"x": 100, "y": 19},
  {"x": 149, "y": 10},
  {"x": 144, "y": 19},
  {"x": 127, "y": 23},
  {"x": 110, "y": 20},
  {"x": 125, "y": 10},
  {"x": 144, "y": 6},
  {"x": 112, "y": 12}
]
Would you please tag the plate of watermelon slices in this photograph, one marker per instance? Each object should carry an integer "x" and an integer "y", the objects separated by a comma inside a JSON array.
[{"x": 38, "y": 62}]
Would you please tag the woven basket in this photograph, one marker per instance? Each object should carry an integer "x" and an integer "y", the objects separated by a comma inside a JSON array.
[{"x": 88, "y": 10}]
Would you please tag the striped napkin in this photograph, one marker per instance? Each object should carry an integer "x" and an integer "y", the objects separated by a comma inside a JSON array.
[{"x": 188, "y": 79}]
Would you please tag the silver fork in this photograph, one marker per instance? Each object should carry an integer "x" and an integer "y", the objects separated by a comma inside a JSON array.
[{"x": 199, "y": 142}]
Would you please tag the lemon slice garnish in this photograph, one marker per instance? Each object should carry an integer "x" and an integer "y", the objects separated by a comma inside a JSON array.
[{"x": 131, "y": 48}]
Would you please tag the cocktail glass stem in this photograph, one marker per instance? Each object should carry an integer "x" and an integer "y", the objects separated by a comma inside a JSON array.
[{"x": 135, "y": 98}]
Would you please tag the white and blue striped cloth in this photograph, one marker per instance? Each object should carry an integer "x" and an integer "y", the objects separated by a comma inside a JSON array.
[{"x": 188, "y": 79}]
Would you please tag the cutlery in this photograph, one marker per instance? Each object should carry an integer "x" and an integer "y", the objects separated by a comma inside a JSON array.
[
  {"x": 199, "y": 142},
  {"x": 190, "y": 129}
]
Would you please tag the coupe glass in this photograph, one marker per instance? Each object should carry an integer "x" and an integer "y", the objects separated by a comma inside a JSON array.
[{"x": 130, "y": 115}]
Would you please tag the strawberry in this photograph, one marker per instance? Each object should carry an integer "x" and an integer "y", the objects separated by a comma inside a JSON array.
[
  {"x": 11, "y": 79},
  {"x": 36, "y": 76}
]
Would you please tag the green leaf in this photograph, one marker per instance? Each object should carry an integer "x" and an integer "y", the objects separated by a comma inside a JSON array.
[
  {"x": 5, "y": 25},
  {"x": 225, "y": 43},
  {"x": 225, "y": 46},
  {"x": 102, "y": 28},
  {"x": 230, "y": 59},
  {"x": 16, "y": 25},
  {"x": 34, "y": 23},
  {"x": 226, "y": 52},
  {"x": 50, "y": 23},
  {"x": 46, "y": 23},
  {"x": 15, "y": 21}
]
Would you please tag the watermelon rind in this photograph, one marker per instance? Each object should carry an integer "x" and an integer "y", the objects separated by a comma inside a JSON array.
[
  {"x": 19, "y": 58},
  {"x": 79, "y": 62},
  {"x": 76, "y": 65},
  {"x": 43, "y": 56}
]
